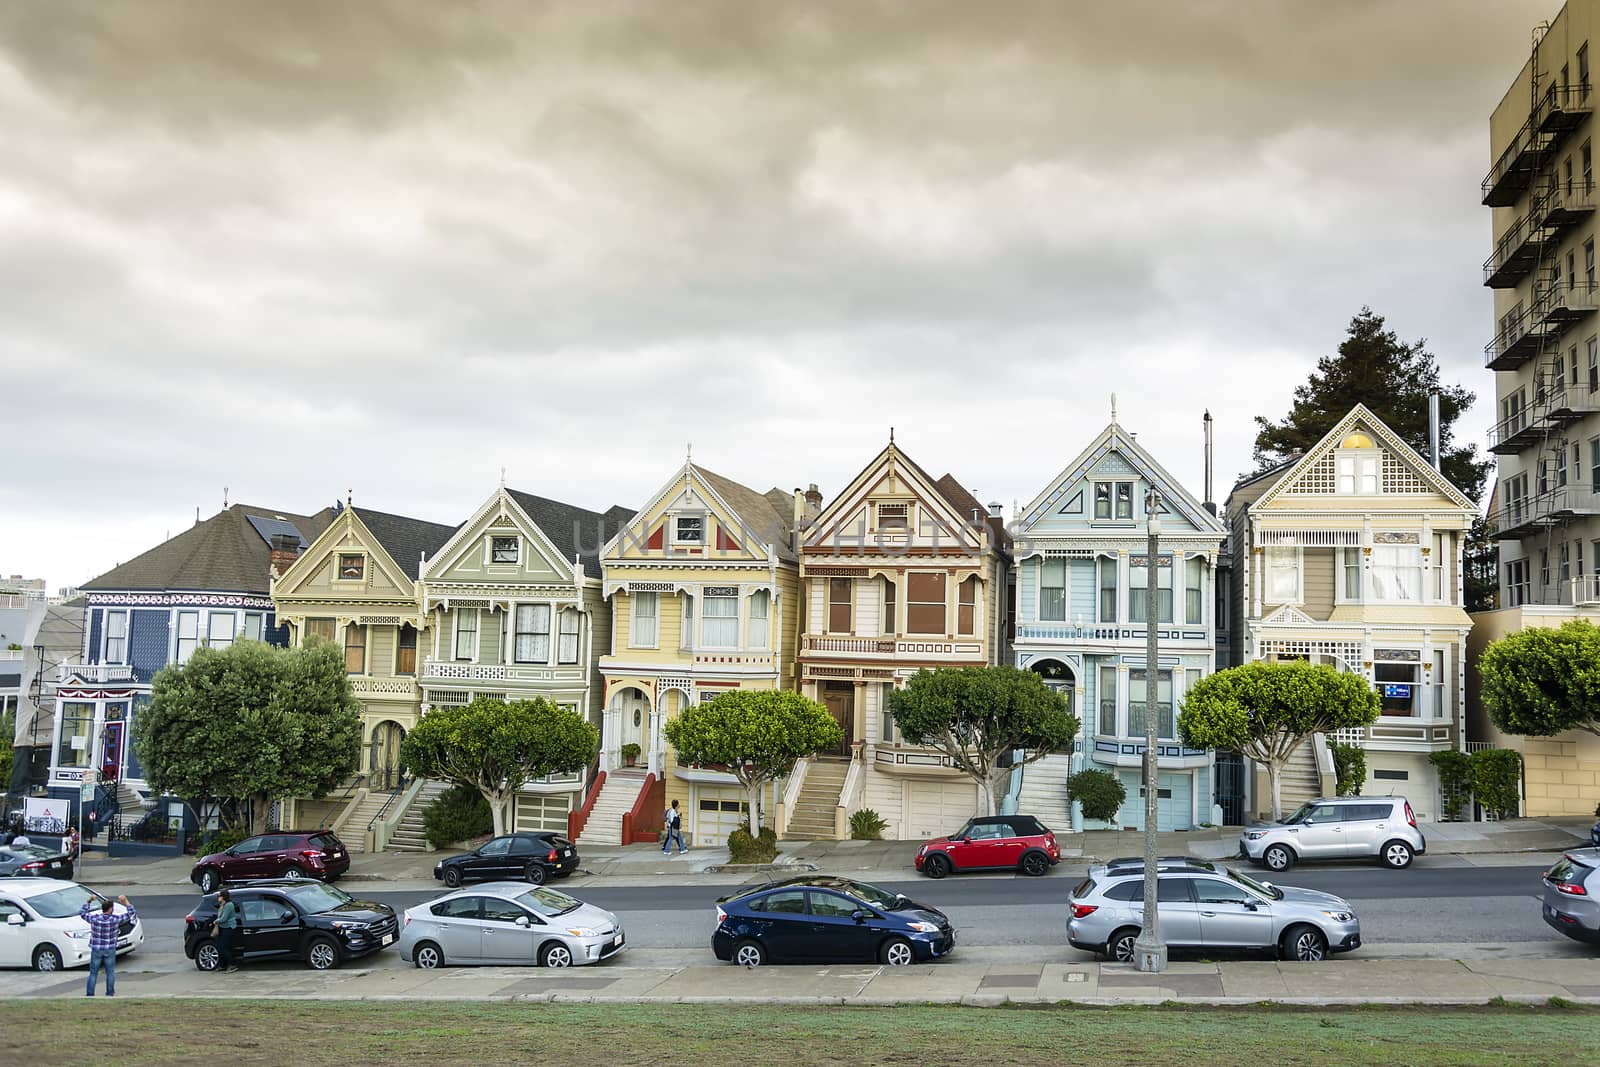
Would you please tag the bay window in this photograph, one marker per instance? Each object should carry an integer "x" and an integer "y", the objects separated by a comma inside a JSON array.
[
  {"x": 1109, "y": 593},
  {"x": 1193, "y": 589},
  {"x": 467, "y": 634},
  {"x": 116, "y": 637},
  {"x": 319, "y": 628},
  {"x": 1397, "y": 688},
  {"x": 760, "y": 609},
  {"x": 1138, "y": 586},
  {"x": 532, "y": 641},
  {"x": 1108, "y": 701},
  {"x": 252, "y": 626},
  {"x": 839, "y": 597},
  {"x": 77, "y": 729},
  {"x": 1283, "y": 575},
  {"x": 642, "y": 634},
  {"x": 1397, "y": 573},
  {"x": 967, "y": 606},
  {"x": 891, "y": 619},
  {"x": 719, "y": 617},
  {"x": 1138, "y": 686},
  {"x": 1053, "y": 590},
  {"x": 219, "y": 628},
  {"x": 925, "y": 603},
  {"x": 567, "y": 650},
  {"x": 355, "y": 649},
  {"x": 188, "y": 635},
  {"x": 1350, "y": 569}
]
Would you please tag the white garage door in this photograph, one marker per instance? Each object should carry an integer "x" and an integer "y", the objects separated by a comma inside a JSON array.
[
  {"x": 538, "y": 812},
  {"x": 937, "y": 808},
  {"x": 718, "y": 812}
]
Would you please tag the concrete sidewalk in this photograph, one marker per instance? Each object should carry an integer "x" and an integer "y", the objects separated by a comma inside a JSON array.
[
  {"x": 1338, "y": 982},
  {"x": 646, "y": 865}
]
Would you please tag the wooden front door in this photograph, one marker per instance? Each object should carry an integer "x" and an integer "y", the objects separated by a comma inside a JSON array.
[{"x": 840, "y": 700}]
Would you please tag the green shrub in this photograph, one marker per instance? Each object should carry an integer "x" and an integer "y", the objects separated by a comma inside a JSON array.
[
  {"x": 866, "y": 825},
  {"x": 1100, "y": 792},
  {"x": 219, "y": 840},
  {"x": 743, "y": 847},
  {"x": 1497, "y": 780},
  {"x": 459, "y": 814},
  {"x": 630, "y": 752},
  {"x": 1455, "y": 781},
  {"x": 1349, "y": 768}
]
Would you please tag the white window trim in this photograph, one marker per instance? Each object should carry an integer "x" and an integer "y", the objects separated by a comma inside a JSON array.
[
  {"x": 1356, "y": 456},
  {"x": 1338, "y": 575},
  {"x": 633, "y": 620},
  {"x": 737, "y": 617},
  {"x": 244, "y": 630},
  {"x": 765, "y": 640},
  {"x": 577, "y": 637},
  {"x": 701, "y": 540},
  {"x": 488, "y": 550},
  {"x": 126, "y": 638},
  {"x": 338, "y": 567},
  {"x": 232, "y": 637},
  {"x": 177, "y": 634},
  {"x": 455, "y": 635},
  {"x": 1300, "y": 574},
  {"x": 1066, "y": 589},
  {"x": 550, "y": 634}
]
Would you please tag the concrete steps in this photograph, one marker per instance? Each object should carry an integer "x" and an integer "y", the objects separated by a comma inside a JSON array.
[
  {"x": 618, "y": 794},
  {"x": 353, "y": 829},
  {"x": 408, "y": 835},
  {"x": 812, "y": 818},
  {"x": 1044, "y": 791},
  {"x": 1299, "y": 781}
]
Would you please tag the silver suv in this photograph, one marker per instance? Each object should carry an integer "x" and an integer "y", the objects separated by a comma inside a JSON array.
[
  {"x": 1572, "y": 895},
  {"x": 1381, "y": 828},
  {"x": 1205, "y": 905}
]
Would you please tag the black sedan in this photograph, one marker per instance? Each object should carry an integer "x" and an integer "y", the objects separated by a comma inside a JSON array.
[
  {"x": 292, "y": 919},
  {"x": 536, "y": 857},
  {"x": 33, "y": 861},
  {"x": 823, "y": 918}
]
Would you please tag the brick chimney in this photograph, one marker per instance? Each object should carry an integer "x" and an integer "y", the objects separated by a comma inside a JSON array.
[
  {"x": 285, "y": 550},
  {"x": 813, "y": 501}
]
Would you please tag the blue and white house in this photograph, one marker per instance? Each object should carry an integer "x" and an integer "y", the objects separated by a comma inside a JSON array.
[{"x": 1081, "y": 623}]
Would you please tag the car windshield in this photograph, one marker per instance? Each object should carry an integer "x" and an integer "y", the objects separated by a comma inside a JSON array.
[
  {"x": 63, "y": 903},
  {"x": 873, "y": 895},
  {"x": 317, "y": 897},
  {"x": 1299, "y": 814},
  {"x": 1265, "y": 890},
  {"x": 548, "y": 902},
  {"x": 27, "y": 852}
]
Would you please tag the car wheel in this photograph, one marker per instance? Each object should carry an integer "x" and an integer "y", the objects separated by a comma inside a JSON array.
[
  {"x": 452, "y": 877},
  {"x": 207, "y": 956},
  {"x": 1035, "y": 864},
  {"x": 1119, "y": 946},
  {"x": 210, "y": 882},
  {"x": 293, "y": 873},
  {"x": 1304, "y": 944},
  {"x": 1397, "y": 855},
  {"x": 47, "y": 958},
  {"x": 535, "y": 874},
  {"x": 427, "y": 956},
  {"x": 896, "y": 952},
  {"x": 936, "y": 866},
  {"x": 555, "y": 954},
  {"x": 322, "y": 954},
  {"x": 1278, "y": 858},
  {"x": 749, "y": 953}
]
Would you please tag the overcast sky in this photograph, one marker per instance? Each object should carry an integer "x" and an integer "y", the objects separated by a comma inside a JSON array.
[{"x": 292, "y": 249}]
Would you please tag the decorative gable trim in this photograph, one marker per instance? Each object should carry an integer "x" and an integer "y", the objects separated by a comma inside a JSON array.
[
  {"x": 1113, "y": 444},
  {"x": 699, "y": 495},
  {"x": 912, "y": 485},
  {"x": 510, "y": 516},
  {"x": 1288, "y": 615},
  {"x": 330, "y": 545}
]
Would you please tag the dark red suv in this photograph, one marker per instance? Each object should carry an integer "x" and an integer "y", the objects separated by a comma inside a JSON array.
[
  {"x": 285, "y": 854},
  {"x": 996, "y": 842}
]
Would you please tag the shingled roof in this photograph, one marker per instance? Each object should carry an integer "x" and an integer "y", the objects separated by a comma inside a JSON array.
[
  {"x": 573, "y": 530},
  {"x": 967, "y": 506},
  {"x": 769, "y": 515},
  {"x": 223, "y": 553},
  {"x": 405, "y": 539}
]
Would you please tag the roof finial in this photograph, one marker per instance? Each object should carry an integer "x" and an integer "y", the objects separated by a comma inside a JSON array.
[
  {"x": 688, "y": 452},
  {"x": 224, "y": 498},
  {"x": 502, "y": 477},
  {"x": 349, "y": 497},
  {"x": 891, "y": 435},
  {"x": 1113, "y": 409}
]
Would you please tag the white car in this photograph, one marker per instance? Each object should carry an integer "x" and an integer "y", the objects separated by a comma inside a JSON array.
[
  {"x": 509, "y": 923},
  {"x": 42, "y": 929}
]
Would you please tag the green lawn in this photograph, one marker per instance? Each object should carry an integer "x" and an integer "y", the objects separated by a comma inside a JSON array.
[{"x": 241, "y": 1033}]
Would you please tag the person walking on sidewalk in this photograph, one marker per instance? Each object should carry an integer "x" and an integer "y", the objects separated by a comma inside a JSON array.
[
  {"x": 103, "y": 926},
  {"x": 227, "y": 932},
  {"x": 674, "y": 823}
]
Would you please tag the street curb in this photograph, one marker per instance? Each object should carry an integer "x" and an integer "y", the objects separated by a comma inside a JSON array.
[
  {"x": 754, "y": 868},
  {"x": 971, "y": 1000}
]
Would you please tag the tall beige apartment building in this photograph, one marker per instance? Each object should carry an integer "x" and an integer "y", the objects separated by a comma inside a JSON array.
[{"x": 1545, "y": 355}]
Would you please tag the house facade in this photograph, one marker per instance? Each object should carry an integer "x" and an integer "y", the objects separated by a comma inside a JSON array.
[
  {"x": 703, "y": 586},
  {"x": 900, "y": 572},
  {"x": 513, "y": 609},
  {"x": 1082, "y": 624},
  {"x": 1351, "y": 555}
]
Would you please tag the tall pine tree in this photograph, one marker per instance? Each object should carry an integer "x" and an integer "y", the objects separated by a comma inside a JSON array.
[{"x": 1393, "y": 379}]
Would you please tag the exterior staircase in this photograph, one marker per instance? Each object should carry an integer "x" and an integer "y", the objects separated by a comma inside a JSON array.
[
  {"x": 618, "y": 794},
  {"x": 1299, "y": 781},
  {"x": 812, "y": 818},
  {"x": 408, "y": 835},
  {"x": 352, "y": 823},
  {"x": 1044, "y": 792}
]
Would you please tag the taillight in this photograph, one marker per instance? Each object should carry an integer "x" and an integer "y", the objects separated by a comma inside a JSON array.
[
  {"x": 1410, "y": 818},
  {"x": 1572, "y": 889},
  {"x": 34, "y": 866},
  {"x": 312, "y": 854},
  {"x": 189, "y": 919},
  {"x": 408, "y": 918},
  {"x": 553, "y": 855},
  {"x": 722, "y": 916},
  {"x": 1083, "y": 911}
]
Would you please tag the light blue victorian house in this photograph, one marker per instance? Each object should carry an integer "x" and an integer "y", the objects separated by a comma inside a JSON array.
[{"x": 1081, "y": 616}]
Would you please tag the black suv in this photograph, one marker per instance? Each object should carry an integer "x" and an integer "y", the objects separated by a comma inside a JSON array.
[
  {"x": 299, "y": 919},
  {"x": 535, "y": 856}
]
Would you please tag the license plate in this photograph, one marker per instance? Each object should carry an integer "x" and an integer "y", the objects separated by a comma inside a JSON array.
[
  {"x": 387, "y": 938},
  {"x": 617, "y": 940},
  {"x": 56, "y": 865}
]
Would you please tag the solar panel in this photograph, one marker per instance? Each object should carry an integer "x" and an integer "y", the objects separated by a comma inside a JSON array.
[{"x": 267, "y": 528}]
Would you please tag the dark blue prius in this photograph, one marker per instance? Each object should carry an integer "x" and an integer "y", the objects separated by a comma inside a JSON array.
[{"x": 820, "y": 918}]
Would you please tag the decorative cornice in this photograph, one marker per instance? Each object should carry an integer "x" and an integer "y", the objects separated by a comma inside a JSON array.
[{"x": 181, "y": 600}]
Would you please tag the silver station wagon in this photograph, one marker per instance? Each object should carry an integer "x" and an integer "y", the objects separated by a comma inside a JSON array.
[
  {"x": 1207, "y": 906},
  {"x": 1337, "y": 828}
]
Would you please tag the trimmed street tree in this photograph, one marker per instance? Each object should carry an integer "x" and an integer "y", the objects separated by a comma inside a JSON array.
[
  {"x": 1540, "y": 682},
  {"x": 1268, "y": 710},
  {"x": 757, "y": 734},
  {"x": 251, "y": 723},
  {"x": 496, "y": 747},
  {"x": 977, "y": 715}
]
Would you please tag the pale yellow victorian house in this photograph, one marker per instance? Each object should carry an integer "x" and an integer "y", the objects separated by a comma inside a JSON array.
[
  {"x": 703, "y": 590},
  {"x": 356, "y": 585}
]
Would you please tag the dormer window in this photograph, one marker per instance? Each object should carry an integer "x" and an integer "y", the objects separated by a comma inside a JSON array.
[
  {"x": 1357, "y": 466},
  {"x": 1113, "y": 500},
  {"x": 504, "y": 550},
  {"x": 352, "y": 566},
  {"x": 689, "y": 529},
  {"x": 894, "y": 516}
]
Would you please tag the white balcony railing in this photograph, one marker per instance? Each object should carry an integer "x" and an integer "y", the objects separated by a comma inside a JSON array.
[
  {"x": 95, "y": 673},
  {"x": 441, "y": 670},
  {"x": 1396, "y": 732}
]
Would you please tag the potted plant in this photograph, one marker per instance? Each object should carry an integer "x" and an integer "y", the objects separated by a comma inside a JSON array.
[{"x": 630, "y": 754}]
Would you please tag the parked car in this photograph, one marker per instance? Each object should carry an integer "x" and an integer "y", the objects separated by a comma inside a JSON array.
[
  {"x": 289, "y": 854},
  {"x": 34, "y": 861},
  {"x": 509, "y": 923},
  {"x": 536, "y": 856},
  {"x": 1205, "y": 905},
  {"x": 40, "y": 925},
  {"x": 293, "y": 919},
  {"x": 997, "y": 842},
  {"x": 812, "y": 919},
  {"x": 1381, "y": 828},
  {"x": 1572, "y": 895}
]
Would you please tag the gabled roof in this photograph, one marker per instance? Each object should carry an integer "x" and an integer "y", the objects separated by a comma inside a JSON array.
[
  {"x": 891, "y": 457},
  {"x": 405, "y": 539},
  {"x": 967, "y": 504},
  {"x": 574, "y": 531},
  {"x": 225, "y": 552},
  {"x": 769, "y": 515},
  {"x": 1175, "y": 498}
]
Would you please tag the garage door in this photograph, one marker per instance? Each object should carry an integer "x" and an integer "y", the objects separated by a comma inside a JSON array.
[
  {"x": 536, "y": 812},
  {"x": 719, "y": 811},
  {"x": 1172, "y": 802},
  {"x": 936, "y": 808}
]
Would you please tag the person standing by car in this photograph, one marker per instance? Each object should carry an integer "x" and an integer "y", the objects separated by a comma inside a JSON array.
[
  {"x": 103, "y": 925},
  {"x": 227, "y": 931},
  {"x": 674, "y": 824},
  {"x": 72, "y": 844}
]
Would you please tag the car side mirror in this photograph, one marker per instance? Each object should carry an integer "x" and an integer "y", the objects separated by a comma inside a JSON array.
[
  {"x": 859, "y": 916},
  {"x": 286, "y": 917},
  {"x": 1251, "y": 905},
  {"x": 15, "y": 920},
  {"x": 524, "y": 922}
]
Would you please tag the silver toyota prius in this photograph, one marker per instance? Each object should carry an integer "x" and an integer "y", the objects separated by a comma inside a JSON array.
[{"x": 509, "y": 924}]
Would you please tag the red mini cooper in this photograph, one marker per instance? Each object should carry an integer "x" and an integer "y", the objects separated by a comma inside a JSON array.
[{"x": 996, "y": 842}]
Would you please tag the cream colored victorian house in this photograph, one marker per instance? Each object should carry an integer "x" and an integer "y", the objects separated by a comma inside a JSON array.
[
  {"x": 899, "y": 573},
  {"x": 356, "y": 585},
  {"x": 1351, "y": 555},
  {"x": 703, "y": 587},
  {"x": 514, "y": 611}
]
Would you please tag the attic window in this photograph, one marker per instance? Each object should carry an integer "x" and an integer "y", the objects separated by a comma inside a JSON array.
[
  {"x": 1357, "y": 440},
  {"x": 352, "y": 566},
  {"x": 894, "y": 516},
  {"x": 690, "y": 529},
  {"x": 503, "y": 549}
]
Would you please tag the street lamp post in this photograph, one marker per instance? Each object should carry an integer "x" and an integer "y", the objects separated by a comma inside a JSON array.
[{"x": 1149, "y": 950}]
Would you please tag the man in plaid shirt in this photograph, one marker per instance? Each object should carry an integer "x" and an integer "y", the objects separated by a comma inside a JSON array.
[{"x": 103, "y": 939}]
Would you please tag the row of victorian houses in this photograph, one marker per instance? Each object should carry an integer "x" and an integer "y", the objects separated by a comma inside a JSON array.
[{"x": 1349, "y": 555}]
